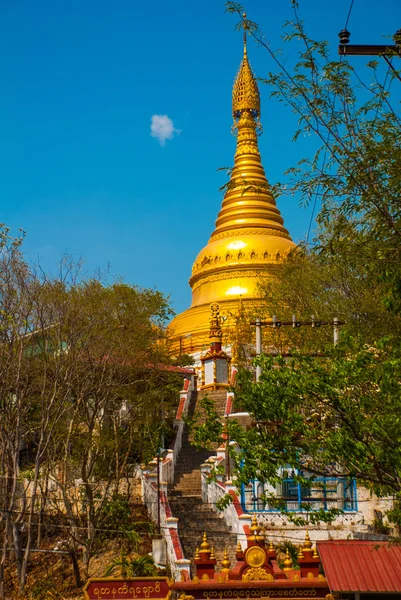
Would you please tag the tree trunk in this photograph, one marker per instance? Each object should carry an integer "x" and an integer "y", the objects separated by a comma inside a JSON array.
[{"x": 75, "y": 567}]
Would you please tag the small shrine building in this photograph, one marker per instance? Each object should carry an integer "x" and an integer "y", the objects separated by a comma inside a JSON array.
[{"x": 260, "y": 571}]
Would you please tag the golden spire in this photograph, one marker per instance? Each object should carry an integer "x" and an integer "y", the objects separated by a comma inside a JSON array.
[
  {"x": 300, "y": 553},
  {"x": 197, "y": 555},
  {"x": 315, "y": 554},
  {"x": 239, "y": 547},
  {"x": 271, "y": 546},
  {"x": 212, "y": 556},
  {"x": 248, "y": 202}
]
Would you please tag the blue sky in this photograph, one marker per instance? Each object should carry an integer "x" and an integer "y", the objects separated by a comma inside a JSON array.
[{"x": 81, "y": 80}]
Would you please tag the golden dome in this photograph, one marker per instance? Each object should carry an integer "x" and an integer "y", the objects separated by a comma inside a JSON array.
[{"x": 249, "y": 240}]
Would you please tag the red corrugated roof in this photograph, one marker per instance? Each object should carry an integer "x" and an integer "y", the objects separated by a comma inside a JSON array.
[{"x": 361, "y": 566}]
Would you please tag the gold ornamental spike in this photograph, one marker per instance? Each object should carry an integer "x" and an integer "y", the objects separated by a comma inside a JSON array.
[
  {"x": 300, "y": 553},
  {"x": 197, "y": 555},
  {"x": 287, "y": 562},
  {"x": 205, "y": 546},
  {"x": 271, "y": 547},
  {"x": 245, "y": 91},
  {"x": 254, "y": 528},
  {"x": 315, "y": 554},
  {"x": 212, "y": 556},
  {"x": 307, "y": 544},
  {"x": 239, "y": 547},
  {"x": 225, "y": 563}
]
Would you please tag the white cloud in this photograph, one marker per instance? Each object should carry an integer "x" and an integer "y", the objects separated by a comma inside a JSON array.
[{"x": 162, "y": 128}]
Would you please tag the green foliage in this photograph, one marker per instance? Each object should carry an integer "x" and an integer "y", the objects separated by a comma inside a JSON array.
[
  {"x": 292, "y": 551},
  {"x": 83, "y": 378},
  {"x": 184, "y": 360},
  {"x": 332, "y": 411},
  {"x": 132, "y": 566},
  {"x": 380, "y": 527},
  {"x": 224, "y": 501},
  {"x": 117, "y": 516}
]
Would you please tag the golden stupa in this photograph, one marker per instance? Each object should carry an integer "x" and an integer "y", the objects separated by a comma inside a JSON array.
[{"x": 249, "y": 239}]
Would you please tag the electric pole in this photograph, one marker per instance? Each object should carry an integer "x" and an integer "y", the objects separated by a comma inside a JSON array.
[{"x": 384, "y": 50}]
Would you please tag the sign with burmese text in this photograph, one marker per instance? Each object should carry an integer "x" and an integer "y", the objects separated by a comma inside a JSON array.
[
  {"x": 295, "y": 592},
  {"x": 135, "y": 588}
]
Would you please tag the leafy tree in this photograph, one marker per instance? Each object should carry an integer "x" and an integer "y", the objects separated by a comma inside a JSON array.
[
  {"x": 332, "y": 411},
  {"x": 82, "y": 379}
]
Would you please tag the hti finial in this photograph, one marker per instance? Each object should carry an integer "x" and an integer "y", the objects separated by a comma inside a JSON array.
[
  {"x": 245, "y": 25},
  {"x": 245, "y": 91}
]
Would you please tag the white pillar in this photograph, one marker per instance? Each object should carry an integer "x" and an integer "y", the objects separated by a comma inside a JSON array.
[{"x": 336, "y": 330}]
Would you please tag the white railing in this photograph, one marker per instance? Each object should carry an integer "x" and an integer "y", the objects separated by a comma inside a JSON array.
[{"x": 180, "y": 567}]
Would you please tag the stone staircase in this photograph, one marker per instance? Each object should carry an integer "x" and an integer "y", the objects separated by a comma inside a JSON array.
[
  {"x": 185, "y": 495},
  {"x": 195, "y": 518}
]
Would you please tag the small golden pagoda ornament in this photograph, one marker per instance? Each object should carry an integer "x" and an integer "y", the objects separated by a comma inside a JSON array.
[
  {"x": 307, "y": 543},
  {"x": 205, "y": 546},
  {"x": 254, "y": 528},
  {"x": 287, "y": 562}
]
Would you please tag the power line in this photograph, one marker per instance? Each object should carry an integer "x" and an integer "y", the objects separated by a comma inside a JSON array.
[{"x": 349, "y": 14}]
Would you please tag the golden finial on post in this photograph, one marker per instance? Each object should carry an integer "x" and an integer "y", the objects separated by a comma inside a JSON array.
[
  {"x": 287, "y": 561},
  {"x": 315, "y": 554},
  {"x": 307, "y": 543},
  {"x": 239, "y": 547},
  {"x": 197, "y": 555},
  {"x": 212, "y": 556},
  {"x": 205, "y": 546},
  {"x": 254, "y": 528},
  {"x": 225, "y": 563}
]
